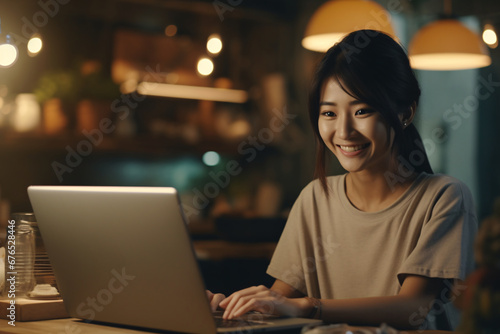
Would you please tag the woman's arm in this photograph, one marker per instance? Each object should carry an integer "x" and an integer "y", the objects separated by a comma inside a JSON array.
[
  {"x": 413, "y": 300},
  {"x": 402, "y": 311},
  {"x": 286, "y": 290}
]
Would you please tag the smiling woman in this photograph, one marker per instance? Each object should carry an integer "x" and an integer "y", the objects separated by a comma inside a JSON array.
[{"x": 385, "y": 242}]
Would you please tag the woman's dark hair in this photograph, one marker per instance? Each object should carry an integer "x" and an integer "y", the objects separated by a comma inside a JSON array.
[{"x": 373, "y": 68}]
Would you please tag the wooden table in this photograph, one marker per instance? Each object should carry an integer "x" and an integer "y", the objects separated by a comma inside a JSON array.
[
  {"x": 63, "y": 326},
  {"x": 76, "y": 326}
]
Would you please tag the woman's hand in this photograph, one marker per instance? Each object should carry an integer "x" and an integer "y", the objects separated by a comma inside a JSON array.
[
  {"x": 264, "y": 300},
  {"x": 214, "y": 299}
]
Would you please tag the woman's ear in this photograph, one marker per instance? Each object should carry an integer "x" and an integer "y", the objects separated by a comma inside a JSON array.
[{"x": 406, "y": 117}]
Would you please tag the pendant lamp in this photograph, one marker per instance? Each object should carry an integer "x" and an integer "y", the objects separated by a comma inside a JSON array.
[
  {"x": 336, "y": 18},
  {"x": 446, "y": 45}
]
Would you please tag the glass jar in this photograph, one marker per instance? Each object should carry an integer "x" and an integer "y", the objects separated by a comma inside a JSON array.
[{"x": 20, "y": 255}]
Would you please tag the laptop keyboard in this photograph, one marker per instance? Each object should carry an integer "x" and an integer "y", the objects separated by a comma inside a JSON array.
[
  {"x": 246, "y": 320},
  {"x": 234, "y": 323}
]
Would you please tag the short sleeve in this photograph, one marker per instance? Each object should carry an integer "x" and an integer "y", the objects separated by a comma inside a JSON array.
[
  {"x": 445, "y": 245},
  {"x": 286, "y": 263}
]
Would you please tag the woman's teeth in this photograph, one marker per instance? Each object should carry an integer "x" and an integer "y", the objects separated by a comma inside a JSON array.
[{"x": 353, "y": 148}]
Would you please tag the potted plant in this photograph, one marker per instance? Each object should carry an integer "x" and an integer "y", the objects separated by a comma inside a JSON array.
[{"x": 61, "y": 92}]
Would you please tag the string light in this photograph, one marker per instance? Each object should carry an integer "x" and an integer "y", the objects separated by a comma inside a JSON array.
[
  {"x": 8, "y": 52},
  {"x": 490, "y": 36},
  {"x": 8, "y": 55},
  {"x": 205, "y": 66},
  {"x": 214, "y": 44},
  {"x": 34, "y": 46}
]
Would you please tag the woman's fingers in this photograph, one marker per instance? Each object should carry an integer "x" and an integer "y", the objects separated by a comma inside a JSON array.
[
  {"x": 263, "y": 300},
  {"x": 230, "y": 302},
  {"x": 262, "y": 304},
  {"x": 239, "y": 294},
  {"x": 241, "y": 302},
  {"x": 215, "y": 299}
]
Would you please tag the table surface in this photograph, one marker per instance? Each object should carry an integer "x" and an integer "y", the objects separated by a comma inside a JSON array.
[{"x": 76, "y": 326}]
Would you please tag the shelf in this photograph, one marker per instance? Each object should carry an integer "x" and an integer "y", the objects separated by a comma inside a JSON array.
[{"x": 145, "y": 144}]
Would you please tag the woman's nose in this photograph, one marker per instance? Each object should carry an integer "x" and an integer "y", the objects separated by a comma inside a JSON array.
[{"x": 345, "y": 127}]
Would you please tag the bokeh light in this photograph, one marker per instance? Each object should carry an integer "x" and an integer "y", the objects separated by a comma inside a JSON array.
[
  {"x": 171, "y": 30},
  {"x": 489, "y": 36},
  {"x": 205, "y": 66},
  {"x": 8, "y": 55},
  {"x": 214, "y": 44},
  {"x": 34, "y": 46},
  {"x": 211, "y": 158}
]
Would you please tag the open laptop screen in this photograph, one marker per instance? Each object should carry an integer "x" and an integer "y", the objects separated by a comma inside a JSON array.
[{"x": 123, "y": 255}]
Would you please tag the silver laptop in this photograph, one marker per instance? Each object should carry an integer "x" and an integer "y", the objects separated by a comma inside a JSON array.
[{"x": 123, "y": 255}]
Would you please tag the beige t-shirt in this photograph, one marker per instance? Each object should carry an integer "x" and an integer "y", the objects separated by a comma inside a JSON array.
[{"x": 329, "y": 249}]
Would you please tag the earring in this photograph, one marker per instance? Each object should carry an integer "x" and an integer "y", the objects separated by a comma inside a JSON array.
[{"x": 405, "y": 124}]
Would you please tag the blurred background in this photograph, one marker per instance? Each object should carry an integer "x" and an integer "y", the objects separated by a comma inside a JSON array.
[{"x": 210, "y": 97}]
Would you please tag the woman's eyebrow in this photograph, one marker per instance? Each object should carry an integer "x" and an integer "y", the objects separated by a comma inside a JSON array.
[{"x": 351, "y": 103}]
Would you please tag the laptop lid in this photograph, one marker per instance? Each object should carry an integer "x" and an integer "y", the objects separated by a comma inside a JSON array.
[{"x": 123, "y": 255}]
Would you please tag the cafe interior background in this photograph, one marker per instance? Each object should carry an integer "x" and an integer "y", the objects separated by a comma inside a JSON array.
[{"x": 129, "y": 93}]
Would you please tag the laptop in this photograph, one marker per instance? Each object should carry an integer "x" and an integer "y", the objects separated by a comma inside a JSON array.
[{"x": 123, "y": 255}]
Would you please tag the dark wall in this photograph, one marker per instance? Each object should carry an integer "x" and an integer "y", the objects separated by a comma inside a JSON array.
[{"x": 488, "y": 157}]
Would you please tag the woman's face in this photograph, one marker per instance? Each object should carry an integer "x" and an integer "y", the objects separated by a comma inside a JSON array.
[{"x": 353, "y": 131}]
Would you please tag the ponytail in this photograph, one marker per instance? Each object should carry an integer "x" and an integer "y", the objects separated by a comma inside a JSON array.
[{"x": 412, "y": 151}]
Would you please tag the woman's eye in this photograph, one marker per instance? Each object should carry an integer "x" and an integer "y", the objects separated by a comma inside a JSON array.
[
  {"x": 328, "y": 113},
  {"x": 363, "y": 111}
]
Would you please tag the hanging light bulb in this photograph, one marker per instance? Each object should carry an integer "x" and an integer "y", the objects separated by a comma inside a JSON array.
[
  {"x": 490, "y": 36},
  {"x": 8, "y": 53},
  {"x": 34, "y": 45},
  {"x": 205, "y": 66},
  {"x": 214, "y": 44}
]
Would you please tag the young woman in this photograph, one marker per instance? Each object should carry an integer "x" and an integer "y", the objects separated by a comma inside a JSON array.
[{"x": 385, "y": 241}]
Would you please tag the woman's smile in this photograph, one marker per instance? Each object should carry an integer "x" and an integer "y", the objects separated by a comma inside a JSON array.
[{"x": 351, "y": 150}]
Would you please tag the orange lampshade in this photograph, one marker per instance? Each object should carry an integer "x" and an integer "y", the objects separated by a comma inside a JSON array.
[
  {"x": 336, "y": 18},
  {"x": 447, "y": 45}
]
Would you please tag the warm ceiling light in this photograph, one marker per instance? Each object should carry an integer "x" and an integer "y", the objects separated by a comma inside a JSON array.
[
  {"x": 8, "y": 55},
  {"x": 336, "y": 18},
  {"x": 34, "y": 45},
  {"x": 214, "y": 44},
  {"x": 490, "y": 36},
  {"x": 192, "y": 92},
  {"x": 205, "y": 66},
  {"x": 447, "y": 45}
]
